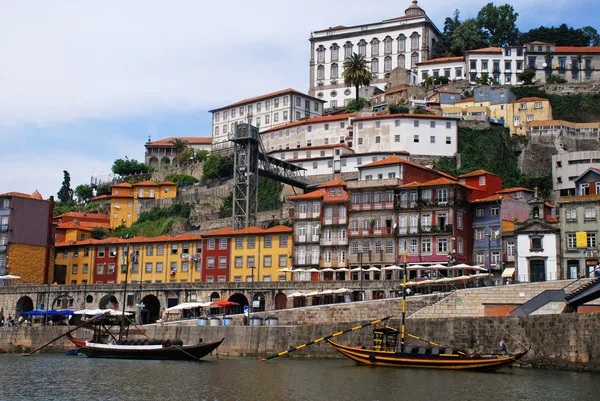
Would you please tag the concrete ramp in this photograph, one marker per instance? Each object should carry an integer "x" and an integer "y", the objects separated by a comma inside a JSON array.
[
  {"x": 586, "y": 292},
  {"x": 539, "y": 301}
]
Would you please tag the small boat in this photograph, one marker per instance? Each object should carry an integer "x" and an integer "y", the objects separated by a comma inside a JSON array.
[
  {"x": 385, "y": 351},
  {"x": 165, "y": 350}
]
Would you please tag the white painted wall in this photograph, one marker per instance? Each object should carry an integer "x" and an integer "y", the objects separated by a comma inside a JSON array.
[
  {"x": 549, "y": 244},
  {"x": 307, "y": 134},
  {"x": 385, "y": 171},
  {"x": 454, "y": 68},
  {"x": 501, "y": 58}
]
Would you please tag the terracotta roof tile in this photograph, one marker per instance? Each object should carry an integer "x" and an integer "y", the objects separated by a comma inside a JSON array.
[
  {"x": 21, "y": 195},
  {"x": 122, "y": 185},
  {"x": 537, "y": 42},
  {"x": 442, "y": 60},
  {"x": 268, "y": 95},
  {"x": 334, "y": 183},
  {"x": 167, "y": 183},
  {"x": 576, "y": 49},
  {"x": 192, "y": 140},
  {"x": 493, "y": 198},
  {"x": 135, "y": 240},
  {"x": 145, "y": 184},
  {"x": 514, "y": 189},
  {"x": 83, "y": 215},
  {"x": 121, "y": 196},
  {"x": 315, "y": 120},
  {"x": 469, "y": 99},
  {"x": 486, "y": 50},
  {"x": 531, "y": 99},
  {"x": 399, "y": 116},
  {"x": 311, "y": 195},
  {"x": 476, "y": 173},
  {"x": 219, "y": 232}
]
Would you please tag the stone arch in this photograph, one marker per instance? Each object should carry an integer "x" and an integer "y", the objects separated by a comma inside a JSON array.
[
  {"x": 150, "y": 313},
  {"x": 165, "y": 162},
  {"x": 153, "y": 162},
  {"x": 241, "y": 300},
  {"x": 24, "y": 304},
  {"x": 214, "y": 297},
  {"x": 62, "y": 302},
  {"x": 259, "y": 296},
  {"x": 280, "y": 301},
  {"x": 89, "y": 298},
  {"x": 108, "y": 301}
]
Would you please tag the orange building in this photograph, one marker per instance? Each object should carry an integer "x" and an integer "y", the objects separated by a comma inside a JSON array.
[
  {"x": 127, "y": 199},
  {"x": 77, "y": 226}
]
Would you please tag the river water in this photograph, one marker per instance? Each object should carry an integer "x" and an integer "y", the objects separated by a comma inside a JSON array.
[{"x": 59, "y": 377}]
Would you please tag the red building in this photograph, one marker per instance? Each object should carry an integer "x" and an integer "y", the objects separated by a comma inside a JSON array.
[
  {"x": 483, "y": 182},
  {"x": 216, "y": 252},
  {"x": 106, "y": 260}
]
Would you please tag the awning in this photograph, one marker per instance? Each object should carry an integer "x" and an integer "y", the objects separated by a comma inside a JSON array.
[{"x": 508, "y": 272}]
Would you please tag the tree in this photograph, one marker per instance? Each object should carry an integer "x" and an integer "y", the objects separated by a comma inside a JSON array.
[
  {"x": 125, "y": 166},
  {"x": 179, "y": 144},
  {"x": 556, "y": 79},
  {"x": 527, "y": 76},
  {"x": 484, "y": 79},
  {"x": 499, "y": 23},
  {"x": 100, "y": 233},
  {"x": 398, "y": 109},
  {"x": 356, "y": 73},
  {"x": 84, "y": 192},
  {"x": 592, "y": 34},
  {"x": 65, "y": 194},
  {"x": 562, "y": 35},
  {"x": 467, "y": 36},
  {"x": 201, "y": 155},
  {"x": 354, "y": 106},
  {"x": 186, "y": 155},
  {"x": 443, "y": 47},
  {"x": 181, "y": 179},
  {"x": 103, "y": 189}
]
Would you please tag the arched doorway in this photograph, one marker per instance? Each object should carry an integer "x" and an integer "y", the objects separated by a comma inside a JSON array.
[
  {"x": 153, "y": 162},
  {"x": 165, "y": 162},
  {"x": 258, "y": 302},
  {"x": 24, "y": 304},
  {"x": 108, "y": 301},
  {"x": 280, "y": 301},
  {"x": 151, "y": 310},
  {"x": 63, "y": 302},
  {"x": 241, "y": 300},
  {"x": 214, "y": 297}
]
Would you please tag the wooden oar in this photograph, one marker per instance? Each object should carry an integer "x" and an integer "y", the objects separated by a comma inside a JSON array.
[
  {"x": 318, "y": 340},
  {"x": 430, "y": 342},
  {"x": 67, "y": 332}
]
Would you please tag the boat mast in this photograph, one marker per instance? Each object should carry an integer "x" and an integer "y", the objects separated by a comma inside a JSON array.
[
  {"x": 126, "y": 268},
  {"x": 403, "y": 300}
]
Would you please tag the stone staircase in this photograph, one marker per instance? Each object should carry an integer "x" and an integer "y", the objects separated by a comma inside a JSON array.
[{"x": 471, "y": 302}]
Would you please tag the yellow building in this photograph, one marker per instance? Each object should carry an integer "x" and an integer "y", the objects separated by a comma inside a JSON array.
[
  {"x": 126, "y": 198},
  {"x": 267, "y": 250},
  {"x": 77, "y": 259},
  {"x": 524, "y": 111}
]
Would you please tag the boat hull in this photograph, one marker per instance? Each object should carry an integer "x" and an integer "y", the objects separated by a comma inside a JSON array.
[
  {"x": 152, "y": 352},
  {"x": 368, "y": 357}
]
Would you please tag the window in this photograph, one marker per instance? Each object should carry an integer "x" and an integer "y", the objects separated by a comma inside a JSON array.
[
  {"x": 159, "y": 267},
  {"x": 223, "y": 243},
  {"x": 222, "y": 262},
  {"x": 267, "y": 261},
  {"x": 160, "y": 249},
  {"x": 211, "y": 244},
  {"x": 591, "y": 240},
  {"x": 443, "y": 245},
  {"x": 416, "y": 138},
  {"x": 396, "y": 138},
  {"x": 268, "y": 241},
  {"x": 479, "y": 234},
  {"x": 426, "y": 245},
  {"x": 459, "y": 220},
  {"x": 571, "y": 214},
  {"x": 283, "y": 260},
  {"x": 387, "y": 64},
  {"x": 239, "y": 261},
  {"x": 442, "y": 196},
  {"x": 414, "y": 42},
  {"x": 482, "y": 180},
  {"x": 536, "y": 243},
  {"x": 416, "y": 123},
  {"x": 571, "y": 241},
  {"x": 239, "y": 243},
  {"x": 210, "y": 262},
  {"x": 432, "y": 139},
  {"x": 334, "y": 72},
  {"x": 494, "y": 210},
  {"x": 251, "y": 242},
  {"x": 148, "y": 267},
  {"x": 589, "y": 213}
]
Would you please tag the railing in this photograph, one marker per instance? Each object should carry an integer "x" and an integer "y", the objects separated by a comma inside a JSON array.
[
  {"x": 305, "y": 215},
  {"x": 3, "y": 227},
  {"x": 371, "y": 232},
  {"x": 306, "y": 238},
  {"x": 333, "y": 263},
  {"x": 334, "y": 241},
  {"x": 382, "y": 205},
  {"x": 334, "y": 220}
]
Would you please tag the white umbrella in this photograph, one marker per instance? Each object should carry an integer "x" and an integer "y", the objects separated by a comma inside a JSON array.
[
  {"x": 462, "y": 278},
  {"x": 298, "y": 271},
  {"x": 462, "y": 266},
  {"x": 328, "y": 269},
  {"x": 188, "y": 305},
  {"x": 312, "y": 294},
  {"x": 372, "y": 269},
  {"x": 357, "y": 269},
  {"x": 326, "y": 292},
  {"x": 443, "y": 280},
  {"x": 416, "y": 267},
  {"x": 296, "y": 295},
  {"x": 341, "y": 291},
  {"x": 477, "y": 268},
  {"x": 343, "y": 269},
  {"x": 313, "y": 270},
  {"x": 438, "y": 266},
  {"x": 10, "y": 277},
  {"x": 392, "y": 267},
  {"x": 286, "y": 270}
]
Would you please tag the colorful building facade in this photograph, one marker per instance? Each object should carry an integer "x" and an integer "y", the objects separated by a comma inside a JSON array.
[{"x": 128, "y": 200}]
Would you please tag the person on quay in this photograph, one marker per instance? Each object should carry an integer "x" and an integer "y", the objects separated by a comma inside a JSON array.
[{"x": 503, "y": 347}]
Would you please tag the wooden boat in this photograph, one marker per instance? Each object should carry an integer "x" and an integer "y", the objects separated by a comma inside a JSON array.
[
  {"x": 164, "y": 351},
  {"x": 385, "y": 351}
]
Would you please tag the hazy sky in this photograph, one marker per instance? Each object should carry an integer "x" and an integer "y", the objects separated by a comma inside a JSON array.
[{"x": 83, "y": 83}]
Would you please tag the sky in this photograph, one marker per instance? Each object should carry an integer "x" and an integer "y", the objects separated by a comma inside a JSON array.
[{"x": 84, "y": 83}]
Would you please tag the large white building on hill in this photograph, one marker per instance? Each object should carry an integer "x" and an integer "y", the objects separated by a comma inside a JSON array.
[{"x": 397, "y": 42}]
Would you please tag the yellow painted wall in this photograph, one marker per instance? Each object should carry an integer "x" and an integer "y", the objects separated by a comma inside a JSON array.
[
  {"x": 27, "y": 262},
  {"x": 166, "y": 258},
  {"x": 259, "y": 252},
  {"x": 167, "y": 192},
  {"x": 514, "y": 109},
  {"x": 75, "y": 234},
  {"x": 122, "y": 211},
  {"x": 76, "y": 255}
]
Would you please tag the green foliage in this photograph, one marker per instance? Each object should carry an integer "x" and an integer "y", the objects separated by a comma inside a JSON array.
[
  {"x": 181, "y": 179},
  {"x": 100, "y": 233},
  {"x": 397, "y": 109},
  {"x": 148, "y": 228},
  {"x": 560, "y": 36},
  {"x": 84, "y": 192},
  {"x": 499, "y": 23},
  {"x": 447, "y": 165},
  {"x": 175, "y": 210},
  {"x": 592, "y": 34},
  {"x": 186, "y": 155},
  {"x": 579, "y": 108},
  {"x": 468, "y": 36},
  {"x": 179, "y": 144},
  {"x": 65, "y": 193},
  {"x": 354, "y": 105},
  {"x": 103, "y": 189},
  {"x": 443, "y": 47},
  {"x": 217, "y": 166},
  {"x": 556, "y": 79},
  {"x": 64, "y": 207},
  {"x": 268, "y": 194},
  {"x": 226, "y": 209},
  {"x": 127, "y": 167},
  {"x": 201, "y": 155},
  {"x": 429, "y": 81},
  {"x": 527, "y": 76},
  {"x": 441, "y": 80},
  {"x": 420, "y": 110},
  {"x": 356, "y": 73},
  {"x": 484, "y": 79}
]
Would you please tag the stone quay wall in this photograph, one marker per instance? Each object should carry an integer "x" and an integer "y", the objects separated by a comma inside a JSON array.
[{"x": 564, "y": 341}]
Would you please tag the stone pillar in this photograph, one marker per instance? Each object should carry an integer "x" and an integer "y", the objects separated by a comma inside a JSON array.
[{"x": 311, "y": 87}]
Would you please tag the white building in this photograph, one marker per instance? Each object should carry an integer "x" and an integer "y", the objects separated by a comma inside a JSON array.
[
  {"x": 398, "y": 42},
  {"x": 266, "y": 111},
  {"x": 574, "y": 63},
  {"x": 566, "y": 166},
  {"x": 502, "y": 64},
  {"x": 417, "y": 134},
  {"x": 162, "y": 153},
  {"x": 452, "y": 68}
]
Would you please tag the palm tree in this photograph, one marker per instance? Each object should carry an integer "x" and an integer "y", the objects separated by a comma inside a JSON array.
[
  {"x": 179, "y": 144},
  {"x": 579, "y": 59},
  {"x": 356, "y": 73}
]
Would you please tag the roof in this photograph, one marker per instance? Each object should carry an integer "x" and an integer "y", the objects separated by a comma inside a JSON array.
[
  {"x": 145, "y": 184},
  {"x": 334, "y": 183},
  {"x": 469, "y": 99},
  {"x": 486, "y": 50},
  {"x": 449, "y": 91},
  {"x": 332, "y": 145},
  {"x": 122, "y": 185},
  {"x": 531, "y": 99},
  {"x": 548, "y": 204},
  {"x": 311, "y": 195},
  {"x": 121, "y": 196},
  {"x": 494, "y": 198},
  {"x": 135, "y": 240},
  {"x": 508, "y": 226},
  {"x": 36, "y": 195},
  {"x": 514, "y": 189},
  {"x": 576, "y": 49},
  {"x": 580, "y": 198},
  {"x": 82, "y": 225},
  {"x": 258, "y": 231},
  {"x": 436, "y": 182},
  {"x": 167, "y": 183},
  {"x": 408, "y": 115},
  {"x": 192, "y": 140},
  {"x": 476, "y": 173},
  {"x": 324, "y": 119},
  {"x": 537, "y": 42},
  {"x": 547, "y": 123},
  {"x": 386, "y": 21},
  {"x": 83, "y": 215},
  {"x": 267, "y": 96},
  {"x": 220, "y": 232},
  {"x": 387, "y": 161},
  {"x": 442, "y": 60}
]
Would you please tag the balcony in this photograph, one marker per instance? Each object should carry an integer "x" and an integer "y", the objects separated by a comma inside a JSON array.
[
  {"x": 3, "y": 228},
  {"x": 2, "y": 248},
  {"x": 329, "y": 221},
  {"x": 371, "y": 232},
  {"x": 334, "y": 241},
  {"x": 305, "y": 239},
  {"x": 305, "y": 215},
  {"x": 333, "y": 263},
  {"x": 382, "y": 205},
  {"x": 305, "y": 262}
]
